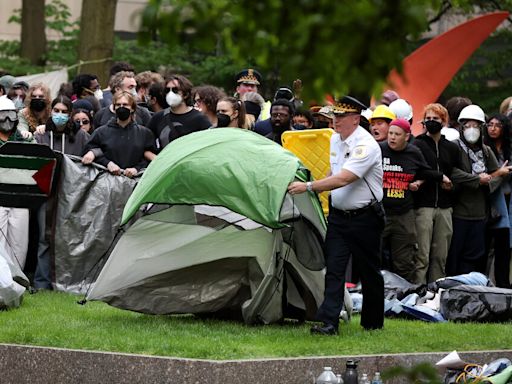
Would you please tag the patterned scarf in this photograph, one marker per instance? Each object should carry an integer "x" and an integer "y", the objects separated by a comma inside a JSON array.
[{"x": 477, "y": 159}]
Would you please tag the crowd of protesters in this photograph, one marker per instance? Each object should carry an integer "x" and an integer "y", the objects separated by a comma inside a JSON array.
[{"x": 446, "y": 191}]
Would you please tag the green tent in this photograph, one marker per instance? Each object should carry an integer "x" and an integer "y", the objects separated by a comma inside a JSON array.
[{"x": 217, "y": 232}]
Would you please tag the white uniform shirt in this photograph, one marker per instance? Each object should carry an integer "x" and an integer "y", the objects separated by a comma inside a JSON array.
[{"x": 360, "y": 154}]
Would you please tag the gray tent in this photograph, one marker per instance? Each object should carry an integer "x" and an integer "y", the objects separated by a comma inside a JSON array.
[{"x": 219, "y": 234}]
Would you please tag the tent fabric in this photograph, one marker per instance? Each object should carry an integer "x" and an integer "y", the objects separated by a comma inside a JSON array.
[
  {"x": 161, "y": 267},
  {"x": 251, "y": 174},
  {"x": 219, "y": 234},
  {"x": 89, "y": 205}
]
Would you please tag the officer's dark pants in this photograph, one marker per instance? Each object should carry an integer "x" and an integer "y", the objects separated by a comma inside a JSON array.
[{"x": 358, "y": 236}]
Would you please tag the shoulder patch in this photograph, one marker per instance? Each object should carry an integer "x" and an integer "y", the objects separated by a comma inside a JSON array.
[{"x": 360, "y": 152}]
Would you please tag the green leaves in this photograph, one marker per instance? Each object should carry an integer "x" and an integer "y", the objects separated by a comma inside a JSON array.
[{"x": 332, "y": 46}]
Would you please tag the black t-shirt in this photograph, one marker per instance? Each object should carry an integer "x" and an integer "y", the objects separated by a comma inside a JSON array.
[
  {"x": 124, "y": 146},
  {"x": 168, "y": 126},
  {"x": 401, "y": 168}
]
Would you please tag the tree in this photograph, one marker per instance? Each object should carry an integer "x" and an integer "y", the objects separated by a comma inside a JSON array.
[
  {"x": 333, "y": 46},
  {"x": 33, "y": 37},
  {"x": 96, "y": 40}
]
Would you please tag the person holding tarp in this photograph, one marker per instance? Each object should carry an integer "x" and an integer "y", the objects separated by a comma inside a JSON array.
[
  {"x": 13, "y": 221},
  {"x": 123, "y": 143},
  {"x": 356, "y": 218}
]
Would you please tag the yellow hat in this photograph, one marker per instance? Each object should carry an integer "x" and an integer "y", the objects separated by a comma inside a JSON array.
[{"x": 382, "y": 112}]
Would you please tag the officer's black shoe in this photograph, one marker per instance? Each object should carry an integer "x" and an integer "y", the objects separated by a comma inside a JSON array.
[{"x": 325, "y": 329}]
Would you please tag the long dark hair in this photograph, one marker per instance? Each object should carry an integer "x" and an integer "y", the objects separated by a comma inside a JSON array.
[
  {"x": 505, "y": 136},
  {"x": 69, "y": 128}
]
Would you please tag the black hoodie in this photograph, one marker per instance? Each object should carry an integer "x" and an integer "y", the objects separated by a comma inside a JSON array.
[{"x": 443, "y": 157}]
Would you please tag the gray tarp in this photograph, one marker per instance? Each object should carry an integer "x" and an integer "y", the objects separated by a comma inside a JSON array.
[{"x": 90, "y": 203}]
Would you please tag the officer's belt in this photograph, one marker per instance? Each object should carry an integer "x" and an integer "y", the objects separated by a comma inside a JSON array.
[{"x": 350, "y": 213}]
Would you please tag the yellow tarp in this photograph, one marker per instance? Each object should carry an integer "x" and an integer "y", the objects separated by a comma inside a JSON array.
[{"x": 312, "y": 147}]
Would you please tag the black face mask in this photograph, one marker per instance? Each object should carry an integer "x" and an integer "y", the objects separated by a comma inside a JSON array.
[
  {"x": 123, "y": 113},
  {"x": 38, "y": 104},
  {"x": 223, "y": 120},
  {"x": 299, "y": 127},
  {"x": 433, "y": 126}
]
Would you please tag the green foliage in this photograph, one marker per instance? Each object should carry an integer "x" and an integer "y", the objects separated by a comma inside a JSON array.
[
  {"x": 485, "y": 77},
  {"x": 54, "y": 319},
  {"x": 332, "y": 46},
  {"x": 60, "y": 52}
]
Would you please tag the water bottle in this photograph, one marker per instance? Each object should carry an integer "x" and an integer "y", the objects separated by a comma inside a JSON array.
[
  {"x": 339, "y": 380},
  {"x": 376, "y": 378},
  {"x": 326, "y": 377},
  {"x": 351, "y": 376},
  {"x": 364, "y": 379}
]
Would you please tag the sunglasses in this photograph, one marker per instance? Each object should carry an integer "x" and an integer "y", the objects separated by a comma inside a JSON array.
[
  {"x": 83, "y": 122},
  {"x": 173, "y": 89}
]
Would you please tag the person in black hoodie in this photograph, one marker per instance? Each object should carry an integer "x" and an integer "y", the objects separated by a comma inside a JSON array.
[
  {"x": 433, "y": 201},
  {"x": 404, "y": 167},
  {"x": 123, "y": 143}
]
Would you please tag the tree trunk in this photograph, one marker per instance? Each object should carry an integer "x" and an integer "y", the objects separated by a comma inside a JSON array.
[
  {"x": 96, "y": 40},
  {"x": 33, "y": 37}
]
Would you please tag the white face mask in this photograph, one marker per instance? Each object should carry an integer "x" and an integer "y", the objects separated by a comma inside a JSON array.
[
  {"x": 98, "y": 94},
  {"x": 472, "y": 135},
  {"x": 173, "y": 99}
]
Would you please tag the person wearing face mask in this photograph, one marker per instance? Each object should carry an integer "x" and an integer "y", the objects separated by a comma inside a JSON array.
[
  {"x": 122, "y": 81},
  {"x": 433, "y": 199},
  {"x": 60, "y": 132},
  {"x": 123, "y": 142},
  {"x": 231, "y": 113},
  {"x": 476, "y": 176},
  {"x": 86, "y": 86},
  {"x": 180, "y": 118},
  {"x": 13, "y": 221},
  {"x": 37, "y": 110}
]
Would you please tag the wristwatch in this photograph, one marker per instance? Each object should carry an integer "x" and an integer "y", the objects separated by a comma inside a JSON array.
[{"x": 309, "y": 186}]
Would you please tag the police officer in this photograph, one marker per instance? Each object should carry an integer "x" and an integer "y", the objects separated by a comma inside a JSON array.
[{"x": 355, "y": 218}]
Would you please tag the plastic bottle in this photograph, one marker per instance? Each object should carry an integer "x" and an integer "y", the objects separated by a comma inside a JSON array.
[
  {"x": 351, "y": 376},
  {"x": 326, "y": 377},
  {"x": 364, "y": 379},
  {"x": 376, "y": 378},
  {"x": 339, "y": 380}
]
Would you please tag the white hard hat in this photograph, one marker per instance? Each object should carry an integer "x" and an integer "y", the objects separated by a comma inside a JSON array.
[
  {"x": 472, "y": 112},
  {"x": 6, "y": 104},
  {"x": 402, "y": 109}
]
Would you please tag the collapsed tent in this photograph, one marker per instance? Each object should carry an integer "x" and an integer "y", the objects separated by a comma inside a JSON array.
[{"x": 219, "y": 234}]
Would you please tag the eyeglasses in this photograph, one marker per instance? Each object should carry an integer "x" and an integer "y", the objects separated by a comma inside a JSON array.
[
  {"x": 197, "y": 101},
  {"x": 472, "y": 124},
  {"x": 279, "y": 114},
  {"x": 494, "y": 125},
  {"x": 83, "y": 122},
  {"x": 173, "y": 89}
]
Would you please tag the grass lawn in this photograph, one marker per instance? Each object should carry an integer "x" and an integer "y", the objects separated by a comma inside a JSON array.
[{"x": 55, "y": 319}]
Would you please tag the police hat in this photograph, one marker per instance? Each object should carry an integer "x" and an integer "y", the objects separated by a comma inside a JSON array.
[
  {"x": 250, "y": 76},
  {"x": 348, "y": 104}
]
